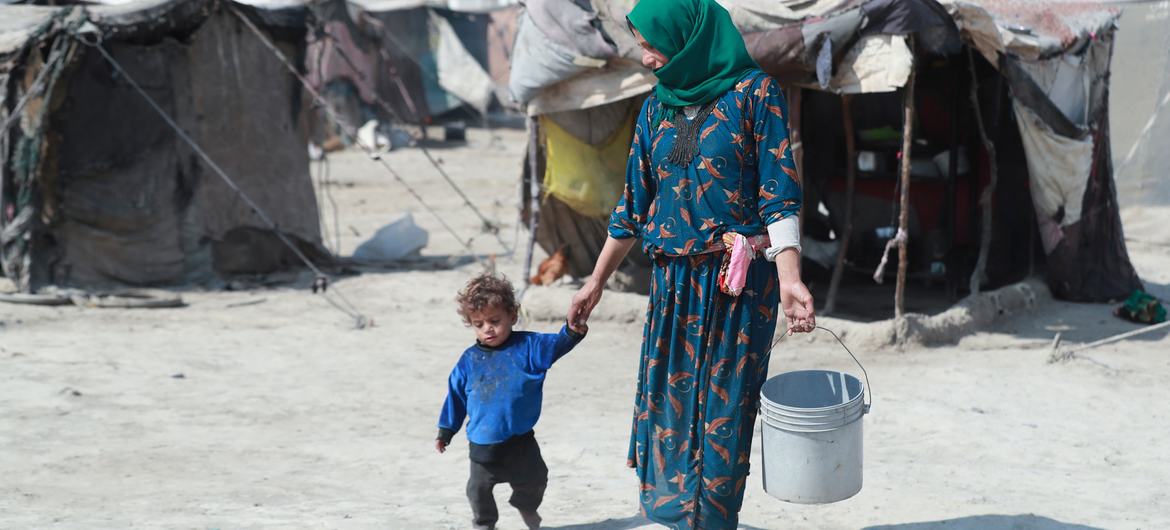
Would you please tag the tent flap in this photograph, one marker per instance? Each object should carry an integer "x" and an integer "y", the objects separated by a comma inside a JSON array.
[
  {"x": 459, "y": 72},
  {"x": 1058, "y": 169}
]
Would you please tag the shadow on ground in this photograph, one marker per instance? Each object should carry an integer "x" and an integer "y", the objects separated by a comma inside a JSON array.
[
  {"x": 627, "y": 523},
  {"x": 989, "y": 522},
  {"x": 608, "y": 524}
]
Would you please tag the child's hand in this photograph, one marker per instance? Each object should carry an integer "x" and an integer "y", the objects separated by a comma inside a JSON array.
[
  {"x": 580, "y": 329},
  {"x": 440, "y": 446}
]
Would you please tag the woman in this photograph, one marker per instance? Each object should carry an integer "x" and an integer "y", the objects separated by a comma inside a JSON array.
[{"x": 709, "y": 168}]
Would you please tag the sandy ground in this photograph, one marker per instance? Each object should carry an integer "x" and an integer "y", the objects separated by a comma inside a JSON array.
[{"x": 265, "y": 408}]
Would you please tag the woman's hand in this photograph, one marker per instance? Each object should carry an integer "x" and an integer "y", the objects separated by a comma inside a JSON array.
[
  {"x": 583, "y": 303},
  {"x": 797, "y": 304},
  {"x": 795, "y": 299},
  {"x": 612, "y": 254}
]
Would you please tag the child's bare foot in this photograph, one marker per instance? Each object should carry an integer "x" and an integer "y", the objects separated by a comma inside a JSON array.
[{"x": 532, "y": 519}]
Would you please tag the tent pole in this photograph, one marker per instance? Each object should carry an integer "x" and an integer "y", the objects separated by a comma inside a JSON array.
[
  {"x": 904, "y": 201},
  {"x": 985, "y": 198},
  {"x": 533, "y": 199},
  {"x": 847, "y": 228}
]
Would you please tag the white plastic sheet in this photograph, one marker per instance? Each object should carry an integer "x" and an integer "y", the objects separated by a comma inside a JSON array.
[{"x": 399, "y": 239}]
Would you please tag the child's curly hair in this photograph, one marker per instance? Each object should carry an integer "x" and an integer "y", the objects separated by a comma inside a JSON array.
[{"x": 484, "y": 291}]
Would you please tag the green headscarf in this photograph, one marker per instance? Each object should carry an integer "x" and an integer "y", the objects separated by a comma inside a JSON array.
[{"x": 705, "y": 52}]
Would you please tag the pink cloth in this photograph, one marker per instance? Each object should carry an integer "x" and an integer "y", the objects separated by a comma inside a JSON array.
[
  {"x": 741, "y": 251},
  {"x": 741, "y": 258}
]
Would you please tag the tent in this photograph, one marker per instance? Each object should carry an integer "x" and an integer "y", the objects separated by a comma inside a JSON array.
[
  {"x": 410, "y": 61},
  {"x": 97, "y": 190},
  {"x": 1031, "y": 80}
]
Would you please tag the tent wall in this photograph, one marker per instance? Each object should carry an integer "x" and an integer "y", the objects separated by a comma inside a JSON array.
[
  {"x": 416, "y": 64},
  {"x": 373, "y": 55},
  {"x": 122, "y": 200},
  {"x": 1090, "y": 262},
  {"x": 501, "y": 34}
]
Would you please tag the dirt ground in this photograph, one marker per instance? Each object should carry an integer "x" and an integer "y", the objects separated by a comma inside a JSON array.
[{"x": 265, "y": 408}]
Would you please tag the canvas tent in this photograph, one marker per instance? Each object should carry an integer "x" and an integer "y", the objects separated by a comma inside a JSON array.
[
  {"x": 410, "y": 61},
  {"x": 1041, "y": 76},
  {"x": 97, "y": 190}
]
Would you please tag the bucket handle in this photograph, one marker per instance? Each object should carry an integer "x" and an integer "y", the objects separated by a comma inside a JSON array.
[{"x": 865, "y": 374}]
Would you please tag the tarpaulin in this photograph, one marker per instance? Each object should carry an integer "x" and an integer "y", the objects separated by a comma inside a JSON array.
[
  {"x": 541, "y": 60},
  {"x": 588, "y": 178}
]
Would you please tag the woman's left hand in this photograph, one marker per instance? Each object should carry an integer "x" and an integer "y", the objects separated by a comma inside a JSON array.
[{"x": 797, "y": 304}]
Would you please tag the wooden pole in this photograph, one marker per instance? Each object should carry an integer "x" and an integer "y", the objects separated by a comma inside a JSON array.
[
  {"x": 904, "y": 200},
  {"x": 985, "y": 198},
  {"x": 847, "y": 228},
  {"x": 533, "y": 198}
]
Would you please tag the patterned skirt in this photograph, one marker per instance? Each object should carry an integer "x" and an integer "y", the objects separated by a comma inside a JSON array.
[{"x": 704, "y": 358}]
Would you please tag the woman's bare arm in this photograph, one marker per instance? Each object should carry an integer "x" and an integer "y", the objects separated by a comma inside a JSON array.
[{"x": 589, "y": 295}]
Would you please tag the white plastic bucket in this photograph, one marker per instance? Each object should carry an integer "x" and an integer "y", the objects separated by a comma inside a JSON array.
[{"x": 812, "y": 435}]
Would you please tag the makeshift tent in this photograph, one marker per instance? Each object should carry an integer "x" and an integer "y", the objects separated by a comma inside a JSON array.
[
  {"x": 410, "y": 61},
  {"x": 1041, "y": 76},
  {"x": 562, "y": 40},
  {"x": 96, "y": 189}
]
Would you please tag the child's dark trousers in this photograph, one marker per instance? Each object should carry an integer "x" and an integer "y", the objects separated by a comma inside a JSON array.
[{"x": 517, "y": 462}]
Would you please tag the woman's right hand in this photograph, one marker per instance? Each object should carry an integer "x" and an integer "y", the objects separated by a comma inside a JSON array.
[
  {"x": 583, "y": 303},
  {"x": 612, "y": 254}
]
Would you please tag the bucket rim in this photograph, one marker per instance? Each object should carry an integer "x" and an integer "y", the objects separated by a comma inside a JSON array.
[
  {"x": 776, "y": 406},
  {"x": 812, "y": 427},
  {"x": 793, "y": 412},
  {"x": 860, "y": 391}
]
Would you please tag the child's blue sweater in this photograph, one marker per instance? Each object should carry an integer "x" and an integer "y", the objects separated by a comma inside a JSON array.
[{"x": 500, "y": 389}]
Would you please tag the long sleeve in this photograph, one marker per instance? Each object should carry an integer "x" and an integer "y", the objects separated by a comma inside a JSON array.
[
  {"x": 455, "y": 407},
  {"x": 548, "y": 348},
  {"x": 633, "y": 208},
  {"x": 779, "y": 186}
]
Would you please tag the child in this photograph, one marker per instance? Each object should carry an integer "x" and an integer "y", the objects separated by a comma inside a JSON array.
[{"x": 497, "y": 385}]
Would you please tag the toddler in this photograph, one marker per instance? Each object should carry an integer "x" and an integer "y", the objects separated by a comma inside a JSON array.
[{"x": 497, "y": 385}]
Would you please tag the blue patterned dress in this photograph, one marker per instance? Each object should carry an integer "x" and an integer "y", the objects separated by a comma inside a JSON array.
[{"x": 704, "y": 353}]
